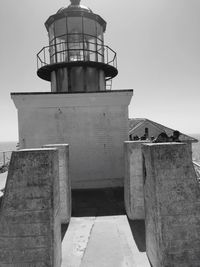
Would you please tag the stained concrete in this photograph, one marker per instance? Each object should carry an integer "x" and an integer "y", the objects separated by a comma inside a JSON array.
[
  {"x": 172, "y": 205},
  {"x": 30, "y": 233},
  {"x": 101, "y": 242},
  {"x": 64, "y": 181},
  {"x": 133, "y": 180}
]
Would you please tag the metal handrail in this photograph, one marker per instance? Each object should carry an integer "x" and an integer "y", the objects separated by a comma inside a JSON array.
[
  {"x": 66, "y": 36},
  {"x": 5, "y": 157},
  {"x": 196, "y": 164},
  {"x": 197, "y": 169},
  {"x": 103, "y": 54},
  {"x": 77, "y": 49}
]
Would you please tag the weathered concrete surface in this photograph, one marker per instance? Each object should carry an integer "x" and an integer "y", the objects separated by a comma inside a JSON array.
[
  {"x": 133, "y": 180},
  {"x": 95, "y": 125},
  {"x": 172, "y": 205},
  {"x": 101, "y": 242},
  {"x": 30, "y": 231},
  {"x": 64, "y": 181}
]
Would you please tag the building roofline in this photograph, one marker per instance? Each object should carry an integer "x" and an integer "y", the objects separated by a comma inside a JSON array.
[{"x": 160, "y": 127}]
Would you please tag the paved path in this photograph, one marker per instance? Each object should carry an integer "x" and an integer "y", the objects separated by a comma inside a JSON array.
[{"x": 105, "y": 241}]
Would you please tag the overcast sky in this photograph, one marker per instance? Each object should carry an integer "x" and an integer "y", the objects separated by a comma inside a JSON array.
[{"x": 157, "y": 44}]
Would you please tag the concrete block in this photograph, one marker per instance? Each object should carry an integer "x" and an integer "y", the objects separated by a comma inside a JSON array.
[
  {"x": 172, "y": 205},
  {"x": 133, "y": 182},
  {"x": 64, "y": 181},
  {"x": 95, "y": 125},
  {"x": 30, "y": 231}
]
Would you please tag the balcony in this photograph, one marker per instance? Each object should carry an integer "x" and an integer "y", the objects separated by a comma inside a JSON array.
[{"x": 76, "y": 54}]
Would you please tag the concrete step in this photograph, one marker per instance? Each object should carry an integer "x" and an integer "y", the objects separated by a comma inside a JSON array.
[{"x": 105, "y": 241}]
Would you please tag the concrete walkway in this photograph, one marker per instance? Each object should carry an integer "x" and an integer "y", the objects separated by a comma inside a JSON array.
[{"x": 105, "y": 241}]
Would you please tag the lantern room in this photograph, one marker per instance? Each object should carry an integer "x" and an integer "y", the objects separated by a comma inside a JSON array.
[{"x": 76, "y": 59}]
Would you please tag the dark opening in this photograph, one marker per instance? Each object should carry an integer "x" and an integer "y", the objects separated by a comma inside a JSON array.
[{"x": 98, "y": 202}]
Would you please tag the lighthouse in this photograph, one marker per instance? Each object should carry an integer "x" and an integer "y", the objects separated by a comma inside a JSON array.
[
  {"x": 80, "y": 109},
  {"x": 76, "y": 60}
]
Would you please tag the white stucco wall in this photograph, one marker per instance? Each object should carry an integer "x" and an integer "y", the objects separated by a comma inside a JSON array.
[
  {"x": 95, "y": 125},
  {"x": 133, "y": 180}
]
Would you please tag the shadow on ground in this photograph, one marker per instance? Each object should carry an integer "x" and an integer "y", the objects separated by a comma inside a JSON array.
[
  {"x": 138, "y": 232},
  {"x": 64, "y": 228},
  {"x": 106, "y": 202}
]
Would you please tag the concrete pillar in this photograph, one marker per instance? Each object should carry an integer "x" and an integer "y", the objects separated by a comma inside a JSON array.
[
  {"x": 64, "y": 181},
  {"x": 172, "y": 206},
  {"x": 133, "y": 181},
  {"x": 30, "y": 231}
]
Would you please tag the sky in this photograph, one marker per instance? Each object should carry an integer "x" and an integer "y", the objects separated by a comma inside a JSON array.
[{"x": 158, "y": 51}]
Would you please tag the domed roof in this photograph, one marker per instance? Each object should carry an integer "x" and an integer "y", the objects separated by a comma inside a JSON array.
[
  {"x": 74, "y": 6},
  {"x": 75, "y": 9}
]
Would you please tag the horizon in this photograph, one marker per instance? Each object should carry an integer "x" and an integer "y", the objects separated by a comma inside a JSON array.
[{"x": 191, "y": 134}]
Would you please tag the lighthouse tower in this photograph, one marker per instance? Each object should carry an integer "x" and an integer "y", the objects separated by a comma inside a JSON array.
[
  {"x": 79, "y": 110},
  {"x": 76, "y": 59}
]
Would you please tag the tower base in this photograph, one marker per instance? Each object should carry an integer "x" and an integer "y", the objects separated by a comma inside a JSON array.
[{"x": 95, "y": 125}]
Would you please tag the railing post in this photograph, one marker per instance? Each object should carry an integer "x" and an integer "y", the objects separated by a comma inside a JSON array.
[
  {"x": 107, "y": 54},
  {"x": 4, "y": 158},
  {"x": 45, "y": 56}
]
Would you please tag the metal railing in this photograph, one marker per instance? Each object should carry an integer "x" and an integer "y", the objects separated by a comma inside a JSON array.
[
  {"x": 5, "y": 157},
  {"x": 108, "y": 84},
  {"x": 197, "y": 169},
  {"x": 76, "y": 51}
]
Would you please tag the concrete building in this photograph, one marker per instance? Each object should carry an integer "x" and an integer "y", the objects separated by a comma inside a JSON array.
[
  {"x": 79, "y": 110},
  {"x": 159, "y": 180},
  {"x": 142, "y": 127}
]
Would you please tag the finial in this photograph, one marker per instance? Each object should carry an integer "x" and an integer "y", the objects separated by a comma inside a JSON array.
[{"x": 75, "y": 2}]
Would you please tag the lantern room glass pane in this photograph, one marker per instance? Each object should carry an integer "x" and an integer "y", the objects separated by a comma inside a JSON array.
[
  {"x": 76, "y": 42},
  {"x": 61, "y": 51},
  {"x": 60, "y": 28},
  {"x": 100, "y": 50},
  {"x": 52, "y": 52},
  {"x": 99, "y": 31},
  {"x": 74, "y": 25},
  {"x": 92, "y": 49},
  {"x": 51, "y": 32},
  {"x": 89, "y": 27}
]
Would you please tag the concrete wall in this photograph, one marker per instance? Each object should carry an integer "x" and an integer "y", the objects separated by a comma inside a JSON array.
[
  {"x": 133, "y": 183},
  {"x": 30, "y": 232},
  {"x": 64, "y": 181},
  {"x": 95, "y": 125},
  {"x": 172, "y": 205}
]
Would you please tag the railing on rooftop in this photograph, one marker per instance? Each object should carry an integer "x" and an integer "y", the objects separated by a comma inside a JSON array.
[
  {"x": 5, "y": 157},
  {"x": 197, "y": 169},
  {"x": 75, "y": 51}
]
